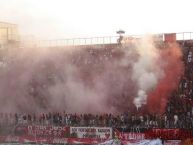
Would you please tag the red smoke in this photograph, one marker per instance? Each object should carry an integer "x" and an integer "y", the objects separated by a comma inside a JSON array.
[{"x": 173, "y": 69}]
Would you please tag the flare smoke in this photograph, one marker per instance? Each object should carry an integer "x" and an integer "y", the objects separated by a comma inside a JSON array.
[{"x": 89, "y": 80}]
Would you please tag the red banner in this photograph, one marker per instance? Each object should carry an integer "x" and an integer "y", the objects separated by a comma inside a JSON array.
[
  {"x": 40, "y": 140},
  {"x": 59, "y": 134},
  {"x": 131, "y": 136},
  {"x": 47, "y": 131},
  {"x": 55, "y": 140},
  {"x": 168, "y": 134},
  {"x": 165, "y": 134}
]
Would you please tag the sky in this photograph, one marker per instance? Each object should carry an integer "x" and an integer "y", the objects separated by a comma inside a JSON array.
[{"x": 58, "y": 19}]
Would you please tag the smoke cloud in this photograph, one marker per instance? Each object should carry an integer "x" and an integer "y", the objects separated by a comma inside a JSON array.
[
  {"x": 157, "y": 73},
  {"x": 173, "y": 69},
  {"x": 146, "y": 72},
  {"x": 92, "y": 79}
]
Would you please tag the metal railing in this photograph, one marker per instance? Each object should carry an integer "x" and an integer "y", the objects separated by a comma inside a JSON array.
[
  {"x": 77, "y": 41},
  {"x": 104, "y": 40},
  {"x": 184, "y": 36},
  {"x": 97, "y": 40}
]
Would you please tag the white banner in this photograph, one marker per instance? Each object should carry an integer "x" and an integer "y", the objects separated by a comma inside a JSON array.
[
  {"x": 111, "y": 142},
  {"x": 172, "y": 142},
  {"x": 133, "y": 142},
  {"x": 92, "y": 132}
]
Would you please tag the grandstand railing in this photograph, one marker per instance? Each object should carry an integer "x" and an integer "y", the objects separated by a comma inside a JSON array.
[
  {"x": 73, "y": 41},
  {"x": 184, "y": 36},
  {"x": 97, "y": 40},
  {"x": 79, "y": 41}
]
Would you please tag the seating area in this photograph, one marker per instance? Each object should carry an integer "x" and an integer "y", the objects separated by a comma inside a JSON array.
[{"x": 178, "y": 113}]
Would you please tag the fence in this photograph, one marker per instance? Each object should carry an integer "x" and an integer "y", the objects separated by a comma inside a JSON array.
[
  {"x": 74, "y": 42},
  {"x": 98, "y": 40},
  {"x": 184, "y": 36}
]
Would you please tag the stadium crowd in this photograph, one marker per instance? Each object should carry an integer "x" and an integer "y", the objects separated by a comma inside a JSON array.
[
  {"x": 179, "y": 111},
  {"x": 178, "y": 120}
]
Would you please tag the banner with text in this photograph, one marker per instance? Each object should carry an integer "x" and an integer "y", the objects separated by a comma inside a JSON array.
[
  {"x": 168, "y": 134},
  {"x": 92, "y": 132},
  {"x": 47, "y": 131},
  {"x": 132, "y": 136}
]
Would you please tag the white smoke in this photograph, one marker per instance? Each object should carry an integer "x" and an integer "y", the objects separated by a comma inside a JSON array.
[{"x": 146, "y": 71}]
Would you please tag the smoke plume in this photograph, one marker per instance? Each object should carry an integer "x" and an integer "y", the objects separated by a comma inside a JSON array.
[
  {"x": 157, "y": 72},
  {"x": 146, "y": 72},
  {"x": 173, "y": 69},
  {"x": 91, "y": 79}
]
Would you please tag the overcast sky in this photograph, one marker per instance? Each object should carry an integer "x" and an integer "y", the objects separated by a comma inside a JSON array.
[{"x": 53, "y": 19}]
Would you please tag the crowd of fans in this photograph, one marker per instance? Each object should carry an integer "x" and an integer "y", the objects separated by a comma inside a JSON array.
[
  {"x": 181, "y": 101},
  {"x": 107, "y": 120},
  {"x": 179, "y": 111}
]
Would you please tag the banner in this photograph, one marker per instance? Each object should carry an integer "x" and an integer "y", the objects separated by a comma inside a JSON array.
[
  {"x": 172, "y": 142},
  {"x": 168, "y": 134},
  {"x": 92, "y": 132},
  {"x": 92, "y": 135},
  {"x": 111, "y": 142},
  {"x": 48, "y": 131},
  {"x": 55, "y": 140},
  {"x": 143, "y": 142},
  {"x": 130, "y": 136},
  {"x": 46, "y": 140}
]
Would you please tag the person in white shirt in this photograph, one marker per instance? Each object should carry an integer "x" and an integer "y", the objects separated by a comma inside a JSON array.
[{"x": 175, "y": 120}]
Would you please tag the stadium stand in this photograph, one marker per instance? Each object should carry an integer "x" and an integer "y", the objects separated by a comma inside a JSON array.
[{"x": 178, "y": 114}]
